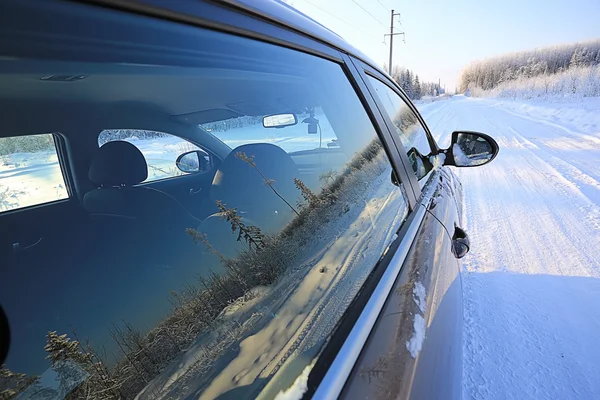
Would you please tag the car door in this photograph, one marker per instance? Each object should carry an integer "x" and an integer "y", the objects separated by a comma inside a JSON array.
[
  {"x": 415, "y": 348},
  {"x": 246, "y": 323}
]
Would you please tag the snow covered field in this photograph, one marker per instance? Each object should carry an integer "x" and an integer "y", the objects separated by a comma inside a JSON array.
[{"x": 531, "y": 281}]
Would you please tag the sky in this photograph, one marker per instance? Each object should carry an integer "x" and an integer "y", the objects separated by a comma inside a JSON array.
[{"x": 444, "y": 36}]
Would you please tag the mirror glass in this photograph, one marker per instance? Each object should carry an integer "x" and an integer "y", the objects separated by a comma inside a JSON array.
[
  {"x": 279, "y": 120},
  {"x": 471, "y": 150},
  {"x": 421, "y": 165},
  {"x": 189, "y": 162}
]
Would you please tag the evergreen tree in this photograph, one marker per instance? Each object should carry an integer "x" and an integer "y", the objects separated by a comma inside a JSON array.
[
  {"x": 417, "y": 88},
  {"x": 12, "y": 384},
  {"x": 80, "y": 372},
  {"x": 487, "y": 74},
  {"x": 409, "y": 84}
]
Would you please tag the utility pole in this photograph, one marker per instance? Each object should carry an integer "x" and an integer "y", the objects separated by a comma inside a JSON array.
[{"x": 391, "y": 35}]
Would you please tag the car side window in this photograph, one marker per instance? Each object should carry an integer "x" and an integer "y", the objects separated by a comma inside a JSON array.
[
  {"x": 161, "y": 151},
  {"x": 411, "y": 132},
  {"x": 30, "y": 172},
  {"x": 144, "y": 300}
]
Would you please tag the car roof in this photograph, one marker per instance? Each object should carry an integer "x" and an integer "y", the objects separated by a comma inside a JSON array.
[
  {"x": 287, "y": 16},
  {"x": 91, "y": 89}
]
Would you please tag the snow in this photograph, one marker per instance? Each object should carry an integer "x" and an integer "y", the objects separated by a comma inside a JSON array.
[
  {"x": 573, "y": 84},
  {"x": 27, "y": 179},
  {"x": 531, "y": 281},
  {"x": 415, "y": 343},
  {"x": 420, "y": 293},
  {"x": 459, "y": 157},
  {"x": 299, "y": 387}
]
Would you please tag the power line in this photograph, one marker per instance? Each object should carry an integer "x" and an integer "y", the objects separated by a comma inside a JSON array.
[
  {"x": 339, "y": 19},
  {"x": 382, "y": 5},
  {"x": 365, "y": 10}
]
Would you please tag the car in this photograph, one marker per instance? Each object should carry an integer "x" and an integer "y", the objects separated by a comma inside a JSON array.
[{"x": 220, "y": 200}]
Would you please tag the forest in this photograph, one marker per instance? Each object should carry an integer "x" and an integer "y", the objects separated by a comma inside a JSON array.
[
  {"x": 564, "y": 69},
  {"x": 414, "y": 88}
]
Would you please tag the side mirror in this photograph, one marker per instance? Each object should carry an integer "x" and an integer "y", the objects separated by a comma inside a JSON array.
[
  {"x": 193, "y": 162},
  {"x": 420, "y": 165},
  {"x": 470, "y": 149},
  {"x": 279, "y": 120}
]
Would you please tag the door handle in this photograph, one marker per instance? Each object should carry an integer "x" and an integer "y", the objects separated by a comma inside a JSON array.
[{"x": 460, "y": 243}]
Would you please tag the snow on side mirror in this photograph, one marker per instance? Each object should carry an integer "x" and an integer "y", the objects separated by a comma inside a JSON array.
[{"x": 470, "y": 149}]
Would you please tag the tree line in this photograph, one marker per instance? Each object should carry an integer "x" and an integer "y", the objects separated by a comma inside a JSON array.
[
  {"x": 489, "y": 73},
  {"x": 412, "y": 85}
]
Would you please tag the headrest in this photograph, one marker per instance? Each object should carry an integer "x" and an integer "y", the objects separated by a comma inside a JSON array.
[
  {"x": 240, "y": 185},
  {"x": 118, "y": 163}
]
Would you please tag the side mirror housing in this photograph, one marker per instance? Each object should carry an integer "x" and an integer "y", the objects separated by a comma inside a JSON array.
[
  {"x": 470, "y": 149},
  {"x": 192, "y": 162}
]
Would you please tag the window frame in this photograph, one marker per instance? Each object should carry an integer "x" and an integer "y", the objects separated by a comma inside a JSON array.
[
  {"x": 398, "y": 90},
  {"x": 421, "y": 182},
  {"x": 399, "y": 163},
  {"x": 411, "y": 179},
  {"x": 388, "y": 267}
]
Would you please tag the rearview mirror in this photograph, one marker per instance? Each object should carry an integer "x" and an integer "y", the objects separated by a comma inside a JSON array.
[
  {"x": 279, "y": 120},
  {"x": 193, "y": 161},
  {"x": 471, "y": 149}
]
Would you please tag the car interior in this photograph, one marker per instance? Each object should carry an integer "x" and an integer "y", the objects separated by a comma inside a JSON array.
[{"x": 115, "y": 230}]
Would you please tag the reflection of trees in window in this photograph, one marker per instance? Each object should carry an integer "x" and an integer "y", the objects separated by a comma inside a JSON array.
[
  {"x": 408, "y": 125},
  {"x": 251, "y": 234},
  {"x": 311, "y": 199},
  {"x": 269, "y": 182},
  {"x": 79, "y": 373},
  {"x": 13, "y": 383},
  {"x": 196, "y": 316}
]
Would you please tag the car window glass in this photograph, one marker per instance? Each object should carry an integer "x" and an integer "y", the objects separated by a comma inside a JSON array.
[
  {"x": 30, "y": 172},
  {"x": 144, "y": 301},
  {"x": 408, "y": 127},
  {"x": 160, "y": 149}
]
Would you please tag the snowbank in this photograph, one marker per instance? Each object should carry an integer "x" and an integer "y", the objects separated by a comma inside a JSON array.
[{"x": 570, "y": 85}]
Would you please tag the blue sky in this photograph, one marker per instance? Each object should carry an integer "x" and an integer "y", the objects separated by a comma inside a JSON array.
[{"x": 443, "y": 36}]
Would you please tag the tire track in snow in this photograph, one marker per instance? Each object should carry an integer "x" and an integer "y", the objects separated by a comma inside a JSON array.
[{"x": 530, "y": 283}]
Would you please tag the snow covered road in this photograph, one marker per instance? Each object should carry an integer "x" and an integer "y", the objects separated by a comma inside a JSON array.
[{"x": 531, "y": 281}]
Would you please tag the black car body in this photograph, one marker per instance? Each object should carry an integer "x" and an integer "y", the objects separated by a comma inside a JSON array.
[{"x": 220, "y": 200}]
